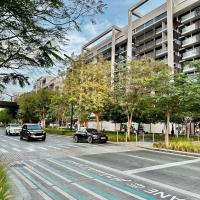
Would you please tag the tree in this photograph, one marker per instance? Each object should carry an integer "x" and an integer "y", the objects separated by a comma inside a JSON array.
[
  {"x": 95, "y": 88},
  {"x": 5, "y": 116},
  {"x": 27, "y": 108},
  {"x": 171, "y": 93},
  {"x": 134, "y": 84},
  {"x": 32, "y": 32},
  {"x": 59, "y": 107},
  {"x": 33, "y": 107}
]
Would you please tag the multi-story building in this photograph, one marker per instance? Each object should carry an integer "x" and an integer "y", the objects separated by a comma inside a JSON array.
[
  {"x": 170, "y": 33},
  {"x": 49, "y": 82}
]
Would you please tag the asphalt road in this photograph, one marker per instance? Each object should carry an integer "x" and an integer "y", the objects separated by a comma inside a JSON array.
[{"x": 58, "y": 169}]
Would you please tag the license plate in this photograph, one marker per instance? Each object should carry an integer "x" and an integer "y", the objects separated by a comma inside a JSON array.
[{"x": 103, "y": 138}]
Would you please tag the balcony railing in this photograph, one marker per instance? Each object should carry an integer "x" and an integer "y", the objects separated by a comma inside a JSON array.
[
  {"x": 192, "y": 53},
  {"x": 188, "y": 16},
  {"x": 161, "y": 51},
  {"x": 191, "y": 28},
  {"x": 191, "y": 40}
]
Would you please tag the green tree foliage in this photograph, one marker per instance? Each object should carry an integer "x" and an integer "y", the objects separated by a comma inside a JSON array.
[
  {"x": 33, "y": 107},
  {"x": 59, "y": 107},
  {"x": 5, "y": 116},
  {"x": 135, "y": 83},
  {"x": 32, "y": 32}
]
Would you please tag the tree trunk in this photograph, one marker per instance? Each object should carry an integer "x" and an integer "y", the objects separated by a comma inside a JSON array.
[
  {"x": 97, "y": 121},
  {"x": 167, "y": 128},
  {"x": 129, "y": 125}
]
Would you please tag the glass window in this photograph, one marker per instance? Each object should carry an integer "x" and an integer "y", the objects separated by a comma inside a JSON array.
[
  {"x": 163, "y": 15},
  {"x": 149, "y": 23}
]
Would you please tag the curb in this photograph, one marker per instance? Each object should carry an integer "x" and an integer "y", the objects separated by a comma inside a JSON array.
[{"x": 172, "y": 151}]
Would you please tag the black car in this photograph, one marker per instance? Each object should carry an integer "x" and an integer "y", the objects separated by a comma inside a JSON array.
[
  {"x": 32, "y": 131},
  {"x": 90, "y": 135}
]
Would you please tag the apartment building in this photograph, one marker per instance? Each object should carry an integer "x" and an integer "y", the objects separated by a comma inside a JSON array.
[
  {"x": 170, "y": 33},
  {"x": 49, "y": 82}
]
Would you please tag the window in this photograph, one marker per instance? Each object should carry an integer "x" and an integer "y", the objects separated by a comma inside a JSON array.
[
  {"x": 149, "y": 23},
  {"x": 162, "y": 16},
  {"x": 139, "y": 28}
]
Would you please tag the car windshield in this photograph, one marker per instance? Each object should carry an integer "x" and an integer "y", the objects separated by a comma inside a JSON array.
[
  {"x": 15, "y": 125},
  {"x": 34, "y": 127},
  {"x": 91, "y": 130}
]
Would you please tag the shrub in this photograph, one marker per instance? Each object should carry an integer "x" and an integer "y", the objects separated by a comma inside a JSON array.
[{"x": 4, "y": 186}]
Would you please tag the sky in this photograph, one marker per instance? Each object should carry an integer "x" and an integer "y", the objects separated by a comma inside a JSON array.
[{"x": 116, "y": 13}]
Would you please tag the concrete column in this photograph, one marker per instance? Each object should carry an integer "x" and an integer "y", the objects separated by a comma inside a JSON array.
[
  {"x": 170, "y": 35},
  {"x": 113, "y": 56},
  {"x": 130, "y": 32}
]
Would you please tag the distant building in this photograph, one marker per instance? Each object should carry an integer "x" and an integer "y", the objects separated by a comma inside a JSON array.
[{"x": 49, "y": 82}]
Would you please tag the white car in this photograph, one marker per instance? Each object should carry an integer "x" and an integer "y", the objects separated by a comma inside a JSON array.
[{"x": 13, "y": 129}]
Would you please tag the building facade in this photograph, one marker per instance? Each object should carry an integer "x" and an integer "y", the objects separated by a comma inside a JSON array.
[
  {"x": 169, "y": 33},
  {"x": 49, "y": 82}
]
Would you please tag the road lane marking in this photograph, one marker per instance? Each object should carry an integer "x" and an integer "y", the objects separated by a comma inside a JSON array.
[
  {"x": 175, "y": 154},
  {"x": 29, "y": 149},
  {"x": 52, "y": 195},
  {"x": 54, "y": 147},
  {"x": 130, "y": 193},
  {"x": 55, "y": 184},
  {"x": 159, "y": 184},
  {"x": 8, "y": 137},
  {"x": 3, "y": 150},
  {"x": 138, "y": 157},
  {"x": 42, "y": 148},
  {"x": 15, "y": 149},
  {"x": 63, "y": 177},
  {"x": 25, "y": 180},
  {"x": 157, "y": 167}
]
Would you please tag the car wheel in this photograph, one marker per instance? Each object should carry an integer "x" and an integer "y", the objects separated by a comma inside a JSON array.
[
  {"x": 75, "y": 139},
  {"x": 21, "y": 138},
  {"x": 43, "y": 139},
  {"x": 6, "y": 133},
  {"x": 9, "y": 133},
  {"x": 28, "y": 138},
  {"x": 90, "y": 140}
]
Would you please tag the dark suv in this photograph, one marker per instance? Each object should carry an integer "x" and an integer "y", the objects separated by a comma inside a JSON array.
[
  {"x": 32, "y": 131},
  {"x": 90, "y": 135}
]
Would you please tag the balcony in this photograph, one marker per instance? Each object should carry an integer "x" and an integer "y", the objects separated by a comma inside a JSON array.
[
  {"x": 191, "y": 28},
  {"x": 191, "y": 40},
  {"x": 192, "y": 15},
  {"x": 191, "y": 53},
  {"x": 160, "y": 52},
  {"x": 188, "y": 69}
]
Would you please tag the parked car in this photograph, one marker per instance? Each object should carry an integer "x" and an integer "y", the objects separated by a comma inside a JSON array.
[
  {"x": 32, "y": 131},
  {"x": 13, "y": 129},
  {"x": 90, "y": 135}
]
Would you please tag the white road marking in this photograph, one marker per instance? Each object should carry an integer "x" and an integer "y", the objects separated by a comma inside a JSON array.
[
  {"x": 90, "y": 177},
  {"x": 69, "y": 181},
  {"x": 42, "y": 148},
  {"x": 50, "y": 171},
  {"x": 16, "y": 149},
  {"x": 159, "y": 184},
  {"x": 25, "y": 180},
  {"x": 29, "y": 149},
  {"x": 30, "y": 169},
  {"x": 156, "y": 167},
  {"x": 139, "y": 157},
  {"x": 63, "y": 193},
  {"x": 43, "y": 195},
  {"x": 34, "y": 187},
  {"x": 10, "y": 138},
  {"x": 54, "y": 147},
  {"x": 175, "y": 154},
  {"x": 3, "y": 150}
]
